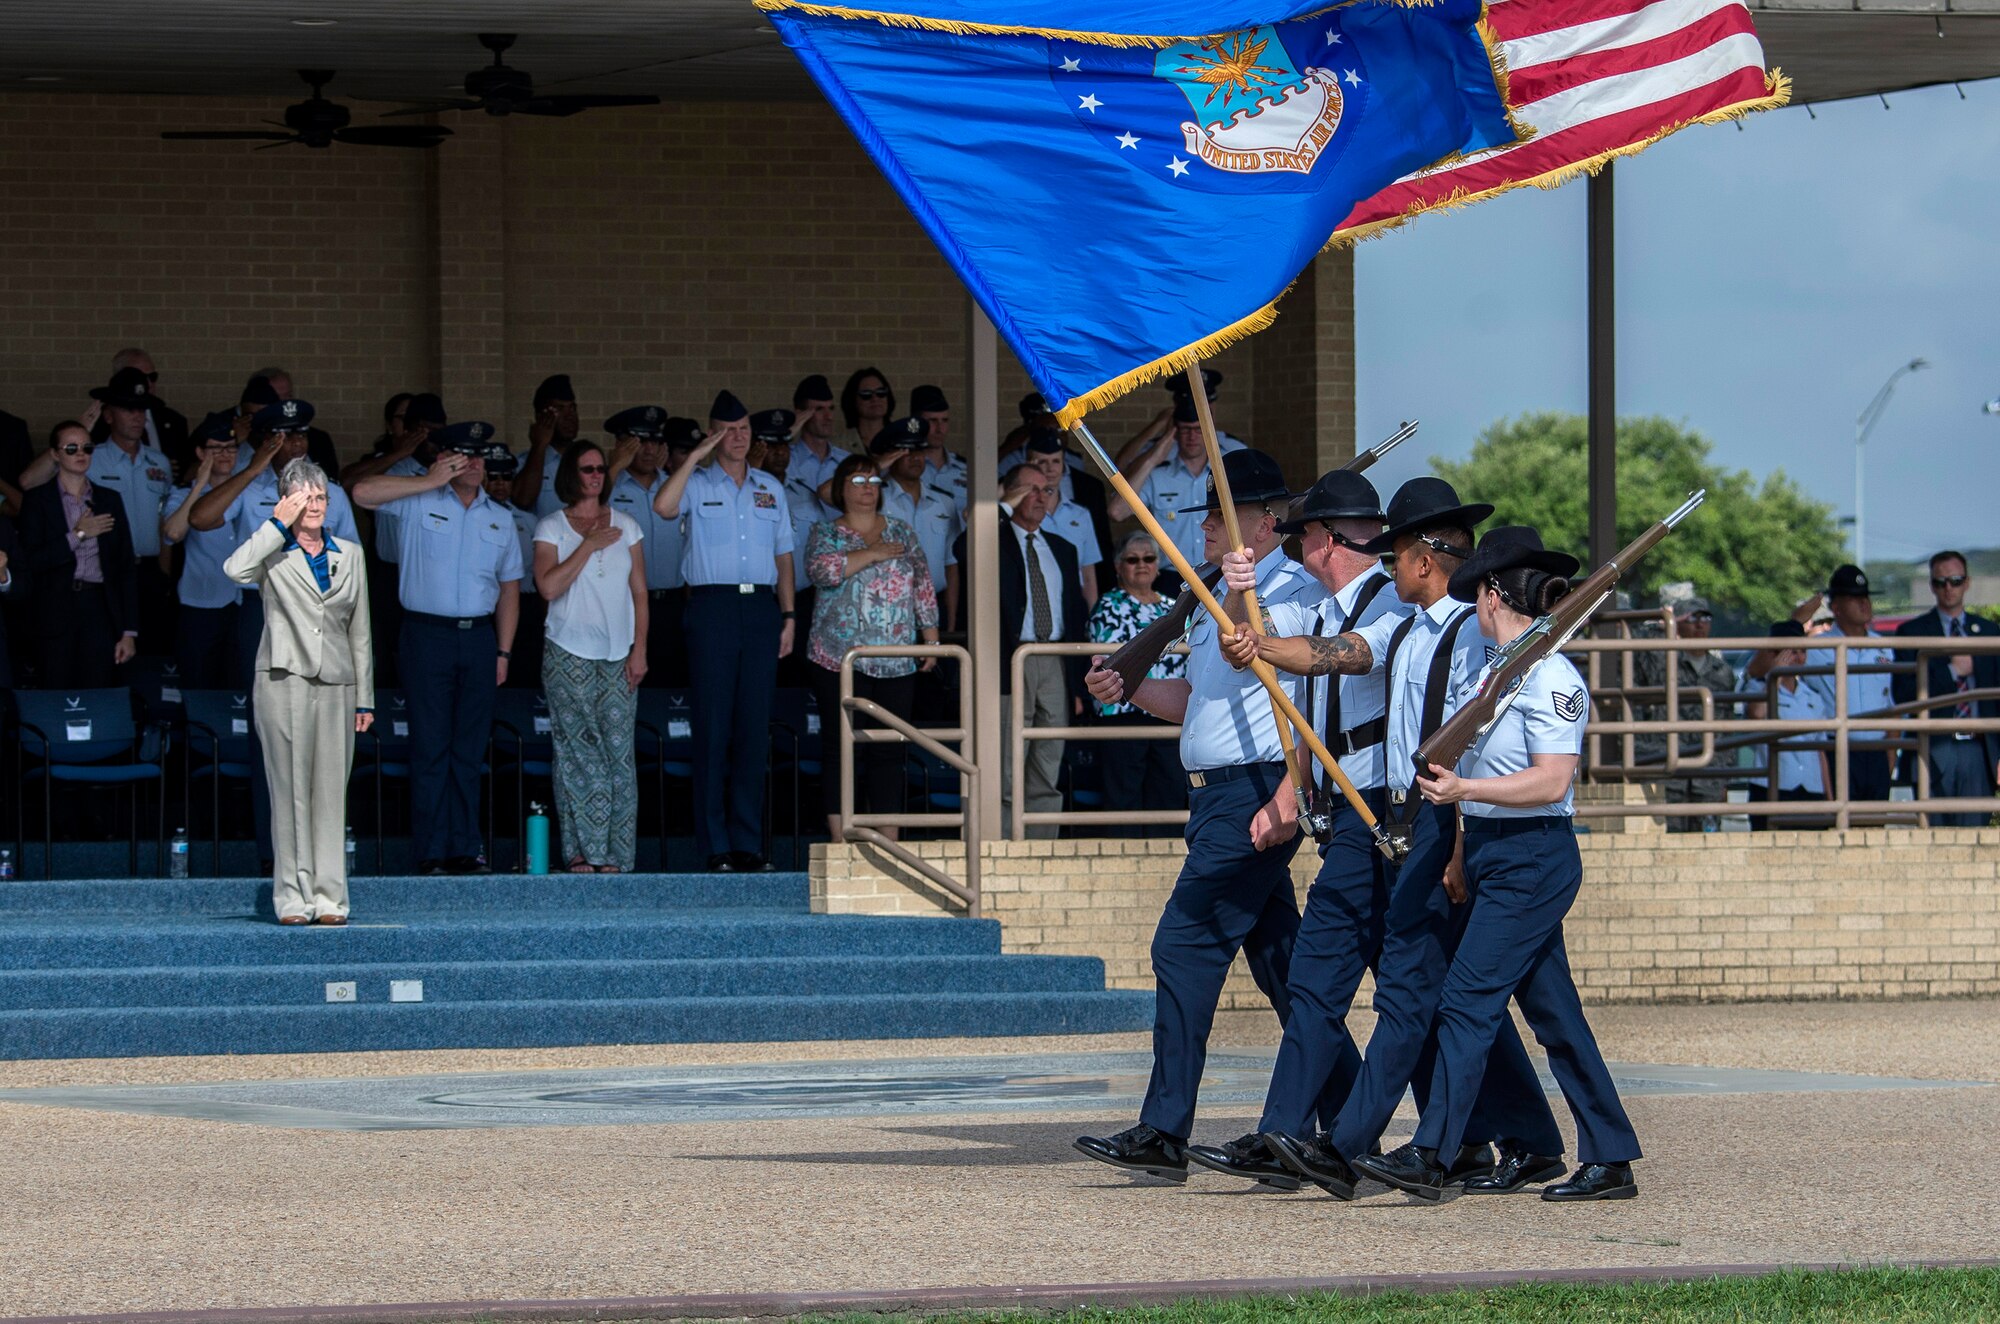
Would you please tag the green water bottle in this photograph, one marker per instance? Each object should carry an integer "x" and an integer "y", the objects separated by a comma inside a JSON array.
[{"x": 538, "y": 838}]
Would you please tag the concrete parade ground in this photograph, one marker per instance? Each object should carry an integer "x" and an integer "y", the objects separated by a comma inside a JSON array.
[{"x": 1776, "y": 1134}]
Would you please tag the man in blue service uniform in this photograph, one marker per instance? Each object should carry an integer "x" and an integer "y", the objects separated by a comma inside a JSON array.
[
  {"x": 739, "y": 623},
  {"x": 243, "y": 502},
  {"x": 1235, "y": 888},
  {"x": 524, "y": 669},
  {"x": 639, "y": 469},
  {"x": 1426, "y": 657},
  {"x": 461, "y": 595},
  {"x": 551, "y": 433},
  {"x": 205, "y": 645},
  {"x": 423, "y": 418}
]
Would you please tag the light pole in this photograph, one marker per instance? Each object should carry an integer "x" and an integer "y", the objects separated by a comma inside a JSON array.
[{"x": 1864, "y": 423}]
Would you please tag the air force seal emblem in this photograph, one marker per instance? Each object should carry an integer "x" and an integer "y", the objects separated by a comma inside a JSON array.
[{"x": 1254, "y": 110}]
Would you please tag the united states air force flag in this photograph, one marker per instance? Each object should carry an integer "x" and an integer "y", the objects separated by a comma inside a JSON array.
[{"x": 1124, "y": 185}]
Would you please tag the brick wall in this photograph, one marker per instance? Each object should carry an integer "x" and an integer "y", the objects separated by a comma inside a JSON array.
[
  {"x": 654, "y": 254},
  {"x": 1875, "y": 913}
]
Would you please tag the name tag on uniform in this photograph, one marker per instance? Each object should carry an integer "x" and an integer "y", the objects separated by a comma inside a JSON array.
[
  {"x": 765, "y": 501},
  {"x": 711, "y": 505}
]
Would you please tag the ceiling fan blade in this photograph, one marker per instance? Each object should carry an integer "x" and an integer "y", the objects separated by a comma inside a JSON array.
[
  {"x": 226, "y": 135},
  {"x": 394, "y": 135},
  {"x": 566, "y": 104},
  {"x": 289, "y": 142},
  {"x": 431, "y": 107}
]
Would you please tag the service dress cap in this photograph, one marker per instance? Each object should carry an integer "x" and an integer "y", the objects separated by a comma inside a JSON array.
[
  {"x": 468, "y": 438},
  {"x": 646, "y": 422},
  {"x": 772, "y": 426},
  {"x": 905, "y": 434},
  {"x": 284, "y": 416},
  {"x": 727, "y": 408}
]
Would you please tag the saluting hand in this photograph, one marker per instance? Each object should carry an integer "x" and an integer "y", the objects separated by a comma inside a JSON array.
[
  {"x": 445, "y": 468},
  {"x": 543, "y": 429},
  {"x": 290, "y": 507},
  {"x": 1104, "y": 684},
  {"x": 91, "y": 413}
]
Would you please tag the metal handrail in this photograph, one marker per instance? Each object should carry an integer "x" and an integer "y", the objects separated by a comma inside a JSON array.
[
  {"x": 863, "y": 827},
  {"x": 1019, "y": 734}
]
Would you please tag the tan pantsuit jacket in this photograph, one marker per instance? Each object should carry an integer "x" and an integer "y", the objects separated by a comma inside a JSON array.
[{"x": 315, "y": 667}]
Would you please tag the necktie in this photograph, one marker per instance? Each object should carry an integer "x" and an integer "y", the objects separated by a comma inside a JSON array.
[
  {"x": 1964, "y": 682},
  {"x": 1038, "y": 594}
]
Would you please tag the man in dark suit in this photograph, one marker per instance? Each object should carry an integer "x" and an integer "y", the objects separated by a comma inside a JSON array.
[
  {"x": 1040, "y": 601},
  {"x": 77, "y": 549},
  {"x": 1961, "y": 765},
  {"x": 11, "y": 594},
  {"x": 166, "y": 427}
]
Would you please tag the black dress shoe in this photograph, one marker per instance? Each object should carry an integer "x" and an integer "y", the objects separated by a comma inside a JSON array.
[
  {"x": 721, "y": 864},
  {"x": 1515, "y": 1169},
  {"x": 1140, "y": 1149},
  {"x": 1315, "y": 1160},
  {"x": 467, "y": 864},
  {"x": 749, "y": 861},
  {"x": 1596, "y": 1181},
  {"x": 430, "y": 868},
  {"x": 1472, "y": 1163},
  {"x": 1245, "y": 1156},
  {"x": 1406, "y": 1168}
]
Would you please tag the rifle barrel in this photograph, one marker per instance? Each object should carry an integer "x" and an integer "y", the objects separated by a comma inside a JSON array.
[{"x": 1383, "y": 447}]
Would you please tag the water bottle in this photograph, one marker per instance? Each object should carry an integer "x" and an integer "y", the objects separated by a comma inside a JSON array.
[
  {"x": 177, "y": 855},
  {"x": 6, "y": 864},
  {"x": 538, "y": 838},
  {"x": 350, "y": 852}
]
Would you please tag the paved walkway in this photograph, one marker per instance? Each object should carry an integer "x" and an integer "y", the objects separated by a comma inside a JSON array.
[{"x": 111, "y": 1210}]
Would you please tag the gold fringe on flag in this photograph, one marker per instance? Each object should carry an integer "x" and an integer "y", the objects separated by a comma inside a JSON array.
[
  {"x": 961, "y": 28},
  {"x": 1177, "y": 361}
]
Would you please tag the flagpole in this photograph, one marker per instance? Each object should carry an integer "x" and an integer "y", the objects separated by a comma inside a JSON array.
[
  {"x": 1226, "y": 502},
  {"x": 1258, "y": 666}
]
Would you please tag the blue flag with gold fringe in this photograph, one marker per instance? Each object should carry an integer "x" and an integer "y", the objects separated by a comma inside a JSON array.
[{"x": 1125, "y": 185}]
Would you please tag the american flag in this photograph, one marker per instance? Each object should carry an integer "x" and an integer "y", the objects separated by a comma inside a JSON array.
[{"x": 1593, "y": 79}]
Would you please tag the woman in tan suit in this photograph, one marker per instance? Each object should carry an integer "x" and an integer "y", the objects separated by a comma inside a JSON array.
[{"x": 314, "y": 689}]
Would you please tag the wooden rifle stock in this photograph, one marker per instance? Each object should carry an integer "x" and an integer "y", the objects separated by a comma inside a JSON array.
[
  {"x": 1534, "y": 645},
  {"x": 1142, "y": 652}
]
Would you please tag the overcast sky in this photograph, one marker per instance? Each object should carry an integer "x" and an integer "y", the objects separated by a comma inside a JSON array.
[{"x": 1768, "y": 281}]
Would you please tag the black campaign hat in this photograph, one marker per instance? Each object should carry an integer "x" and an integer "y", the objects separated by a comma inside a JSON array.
[
  {"x": 283, "y": 416},
  {"x": 1033, "y": 406},
  {"x": 1253, "y": 477},
  {"x": 468, "y": 438},
  {"x": 772, "y": 425},
  {"x": 646, "y": 422},
  {"x": 1508, "y": 547},
  {"x": 424, "y": 410},
  {"x": 1787, "y": 629},
  {"x": 928, "y": 399},
  {"x": 902, "y": 434},
  {"x": 128, "y": 389},
  {"x": 1426, "y": 503},
  {"x": 1849, "y": 581},
  {"x": 1342, "y": 494},
  {"x": 727, "y": 408},
  {"x": 1210, "y": 380}
]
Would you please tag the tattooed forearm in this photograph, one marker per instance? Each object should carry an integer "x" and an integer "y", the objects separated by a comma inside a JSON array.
[{"x": 1346, "y": 654}]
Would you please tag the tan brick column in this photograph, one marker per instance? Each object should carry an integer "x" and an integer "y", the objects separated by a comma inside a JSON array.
[
  {"x": 1304, "y": 409},
  {"x": 469, "y": 238}
]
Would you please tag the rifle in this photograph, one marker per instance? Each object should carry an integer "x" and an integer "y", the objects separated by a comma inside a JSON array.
[
  {"x": 1513, "y": 664},
  {"x": 1139, "y": 654}
]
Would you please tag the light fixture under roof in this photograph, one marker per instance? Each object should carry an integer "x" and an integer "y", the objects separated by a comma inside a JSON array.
[
  {"x": 314, "y": 22},
  {"x": 41, "y": 78}
]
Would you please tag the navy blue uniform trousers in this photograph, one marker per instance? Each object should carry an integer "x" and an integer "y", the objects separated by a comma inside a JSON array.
[
  {"x": 449, "y": 677},
  {"x": 733, "y": 671},
  {"x": 1420, "y": 930},
  {"x": 1527, "y": 872},
  {"x": 1230, "y": 896}
]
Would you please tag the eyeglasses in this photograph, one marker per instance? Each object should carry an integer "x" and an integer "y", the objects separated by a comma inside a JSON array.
[
  {"x": 590, "y": 468},
  {"x": 865, "y": 480},
  {"x": 74, "y": 449},
  {"x": 221, "y": 444},
  {"x": 1701, "y": 616},
  {"x": 872, "y": 393},
  {"x": 1142, "y": 560},
  {"x": 1947, "y": 581}
]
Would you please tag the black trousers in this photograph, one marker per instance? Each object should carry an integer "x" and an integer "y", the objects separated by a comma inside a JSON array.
[
  {"x": 733, "y": 668},
  {"x": 450, "y": 685},
  {"x": 385, "y": 612},
  {"x": 524, "y": 669},
  {"x": 78, "y": 636},
  {"x": 205, "y": 647},
  {"x": 666, "y": 639},
  {"x": 793, "y": 668},
  {"x": 159, "y": 609},
  {"x": 879, "y": 767},
  {"x": 1142, "y": 774}
]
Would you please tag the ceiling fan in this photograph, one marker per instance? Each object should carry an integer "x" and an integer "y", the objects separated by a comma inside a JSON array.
[
  {"x": 317, "y": 122},
  {"x": 500, "y": 89}
]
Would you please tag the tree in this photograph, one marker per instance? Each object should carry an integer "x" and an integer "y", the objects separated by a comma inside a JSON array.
[{"x": 1752, "y": 549}]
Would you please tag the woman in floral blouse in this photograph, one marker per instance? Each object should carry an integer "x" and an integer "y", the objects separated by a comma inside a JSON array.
[
  {"x": 1137, "y": 774},
  {"x": 874, "y": 589}
]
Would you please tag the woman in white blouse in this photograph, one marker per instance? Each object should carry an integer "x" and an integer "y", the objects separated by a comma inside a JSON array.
[{"x": 588, "y": 566}]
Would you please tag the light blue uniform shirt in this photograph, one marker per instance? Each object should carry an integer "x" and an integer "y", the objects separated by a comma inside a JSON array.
[
  {"x": 933, "y": 513},
  {"x": 386, "y": 536},
  {"x": 662, "y": 542},
  {"x": 142, "y": 481},
  {"x": 547, "y": 502},
  {"x": 807, "y": 469},
  {"x": 256, "y": 502},
  {"x": 202, "y": 582},
  {"x": 953, "y": 476},
  {"x": 1801, "y": 770},
  {"x": 734, "y": 533},
  {"x": 524, "y": 532},
  {"x": 455, "y": 557},
  {"x": 1548, "y": 716},
  {"x": 1361, "y": 697},
  {"x": 1169, "y": 488},
  {"x": 1405, "y": 689},
  {"x": 1865, "y": 694},
  {"x": 1229, "y": 718}
]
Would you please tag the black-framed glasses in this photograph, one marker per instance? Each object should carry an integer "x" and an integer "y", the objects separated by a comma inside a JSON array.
[
  {"x": 1142, "y": 560},
  {"x": 1947, "y": 581},
  {"x": 872, "y": 393}
]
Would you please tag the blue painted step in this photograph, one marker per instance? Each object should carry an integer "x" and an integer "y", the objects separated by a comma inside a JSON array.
[
  {"x": 133, "y": 1032},
  {"x": 525, "y": 981},
  {"x": 371, "y": 896}
]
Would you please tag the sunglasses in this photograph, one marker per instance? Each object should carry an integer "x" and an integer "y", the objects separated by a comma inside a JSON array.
[
  {"x": 872, "y": 393},
  {"x": 865, "y": 480},
  {"x": 1947, "y": 581},
  {"x": 1142, "y": 560},
  {"x": 1701, "y": 616},
  {"x": 74, "y": 449},
  {"x": 590, "y": 468}
]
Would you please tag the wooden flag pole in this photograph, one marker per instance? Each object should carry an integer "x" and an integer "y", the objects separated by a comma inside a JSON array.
[
  {"x": 1258, "y": 666},
  {"x": 1232, "y": 527}
]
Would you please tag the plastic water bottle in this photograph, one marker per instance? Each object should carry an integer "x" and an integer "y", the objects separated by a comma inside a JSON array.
[
  {"x": 177, "y": 855},
  {"x": 350, "y": 852},
  {"x": 538, "y": 838},
  {"x": 6, "y": 864}
]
